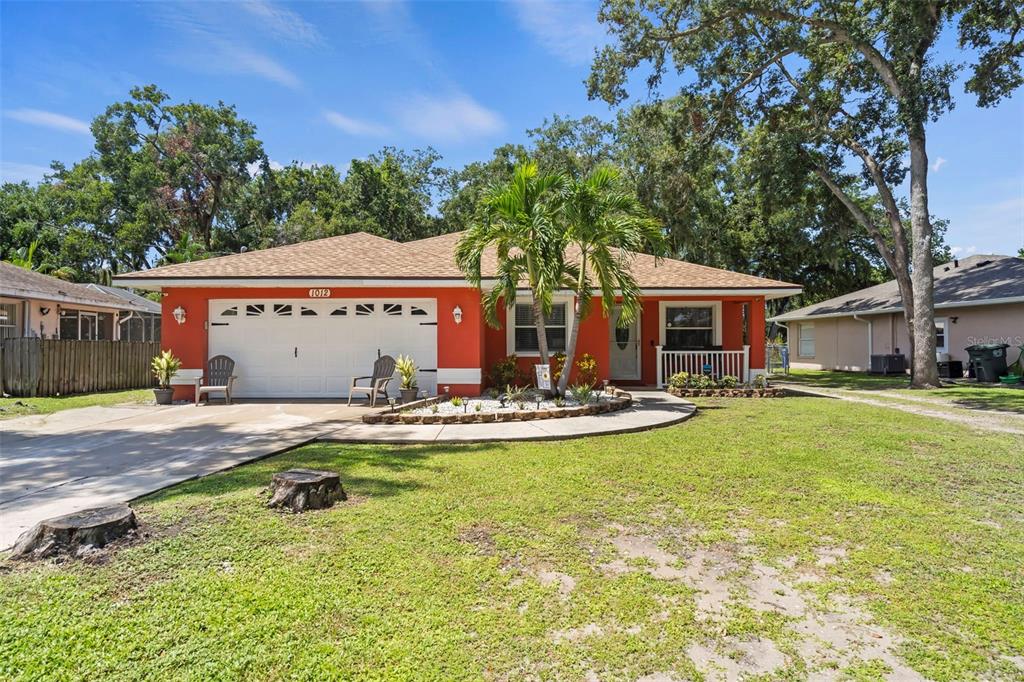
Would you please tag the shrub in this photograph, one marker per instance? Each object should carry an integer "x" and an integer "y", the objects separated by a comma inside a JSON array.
[
  {"x": 760, "y": 381},
  {"x": 406, "y": 371},
  {"x": 516, "y": 394},
  {"x": 434, "y": 408},
  {"x": 506, "y": 372},
  {"x": 493, "y": 393},
  {"x": 581, "y": 393},
  {"x": 478, "y": 406},
  {"x": 702, "y": 381},
  {"x": 165, "y": 366},
  {"x": 679, "y": 380},
  {"x": 557, "y": 365},
  {"x": 728, "y": 381},
  {"x": 457, "y": 401},
  {"x": 586, "y": 368},
  {"x": 559, "y": 401}
]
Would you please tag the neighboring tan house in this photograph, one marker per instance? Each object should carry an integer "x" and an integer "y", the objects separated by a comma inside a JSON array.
[
  {"x": 302, "y": 320},
  {"x": 36, "y": 305},
  {"x": 979, "y": 299}
]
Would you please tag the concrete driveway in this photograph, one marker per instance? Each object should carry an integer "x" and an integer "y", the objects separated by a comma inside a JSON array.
[{"x": 59, "y": 463}]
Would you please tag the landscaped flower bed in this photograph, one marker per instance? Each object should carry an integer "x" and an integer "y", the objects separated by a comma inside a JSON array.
[
  {"x": 686, "y": 385},
  {"x": 445, "y": 410},
  {"x": 738, "y": 392}
]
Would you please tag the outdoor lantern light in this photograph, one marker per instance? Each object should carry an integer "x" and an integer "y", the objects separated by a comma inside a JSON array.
[
  {"x": 457, "y": 314},
  {"x": 43, "y": 310},
  {"x": 179, "y": 315}
]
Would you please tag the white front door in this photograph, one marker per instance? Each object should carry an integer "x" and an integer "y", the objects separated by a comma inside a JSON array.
[
  {"x": 624, "y": 347},
  {"x": 306, "y": 348}
]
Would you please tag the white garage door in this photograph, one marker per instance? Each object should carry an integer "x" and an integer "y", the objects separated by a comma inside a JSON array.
[{"x": 313, "y": 348}]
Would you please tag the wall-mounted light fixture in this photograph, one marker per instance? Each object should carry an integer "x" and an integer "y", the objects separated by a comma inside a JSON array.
[
  {"x": 457, "y": 314},
  {"x": 954, "y": 319},
  {"x": 179, "y": 315},
  {"x": 43, "y": 310}
]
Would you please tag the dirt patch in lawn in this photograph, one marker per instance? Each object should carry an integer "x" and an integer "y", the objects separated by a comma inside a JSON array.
[
  {"x": 818, "y": 637},
  {"x": 480, "y": 537}
]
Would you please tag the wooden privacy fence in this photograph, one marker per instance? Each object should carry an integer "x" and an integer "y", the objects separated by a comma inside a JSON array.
[{"x": 46, "y": 367}]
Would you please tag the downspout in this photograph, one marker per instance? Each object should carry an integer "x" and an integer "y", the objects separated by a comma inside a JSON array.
[{"x": 871, "y": 350}]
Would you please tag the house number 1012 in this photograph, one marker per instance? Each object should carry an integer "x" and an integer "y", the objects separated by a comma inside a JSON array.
[{"x": 319, "y": 293}]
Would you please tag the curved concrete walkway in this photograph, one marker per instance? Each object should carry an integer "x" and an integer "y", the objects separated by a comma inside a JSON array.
[{"x": 650, "y": 410}]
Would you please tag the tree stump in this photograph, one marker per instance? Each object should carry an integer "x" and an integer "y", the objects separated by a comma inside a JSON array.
[
  {"x": 302, "y": 489},
  {"x": 78, "y": 533}
]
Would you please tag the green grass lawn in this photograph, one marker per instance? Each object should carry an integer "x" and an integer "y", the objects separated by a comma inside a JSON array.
[
  {"x": 982, "y": 396},
  {"x": 499, "y": 561},
  {"x": 19, "y": 407}
]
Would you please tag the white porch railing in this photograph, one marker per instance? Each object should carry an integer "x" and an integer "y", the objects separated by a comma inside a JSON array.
[{"x": 718, "y": 363}]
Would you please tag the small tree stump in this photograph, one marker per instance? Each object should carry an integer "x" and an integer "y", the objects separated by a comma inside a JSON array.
[
  {"x": 302, "y": 489},
  {"x": 77, "y": 533}
]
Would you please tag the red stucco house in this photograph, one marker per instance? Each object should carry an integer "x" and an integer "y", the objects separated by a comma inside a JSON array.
[{"x": 301, "y": 320}]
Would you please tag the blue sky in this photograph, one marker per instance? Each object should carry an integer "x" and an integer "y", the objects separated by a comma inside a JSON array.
[{"x": 326, "y": 82}]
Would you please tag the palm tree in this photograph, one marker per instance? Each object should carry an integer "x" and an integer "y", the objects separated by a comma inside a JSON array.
[
  {"x": 519, "y": 221},
  {"x": 606, "y": 226}
]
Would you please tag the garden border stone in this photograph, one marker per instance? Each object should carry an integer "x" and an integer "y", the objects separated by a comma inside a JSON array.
[{"x": 612, "y": 400}]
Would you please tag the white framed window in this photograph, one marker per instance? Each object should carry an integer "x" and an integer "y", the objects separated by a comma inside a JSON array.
[
  {"x": 522, "y": 332},
  {"x": 941, "y": 335},
  {"x": 805, "y": 343},
  {"x": 9, "y": 327},
  {"x": 690, "y": 325}
]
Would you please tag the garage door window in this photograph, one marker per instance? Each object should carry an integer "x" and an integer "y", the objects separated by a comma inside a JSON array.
[
  {"x": 363, "y": 309},
  {"x": 308, "y": 312},
  {"x": 393, "y": 309},
  {"x": 282, "y": 310},
  {"x": 340, "y": 312},
  {"x": 254, "y": 310},
  {"x": 230, "y": 312}
]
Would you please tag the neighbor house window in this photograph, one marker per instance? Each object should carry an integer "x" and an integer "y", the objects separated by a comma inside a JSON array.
[
  {"x": 9, "y": 321},
  {"x": 525, "y": 330},
  {"x": 69, "y": 324},
  {"x": 806, "y": 342},
  {"x": 940, "y": 336},
  {"x": 689, "y": 327}
]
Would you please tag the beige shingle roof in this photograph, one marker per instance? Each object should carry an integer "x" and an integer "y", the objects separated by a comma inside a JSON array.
[{"x": 364, "y": 256}]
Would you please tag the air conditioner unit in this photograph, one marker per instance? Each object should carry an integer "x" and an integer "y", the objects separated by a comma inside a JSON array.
[{"x": 888, "y": 364}]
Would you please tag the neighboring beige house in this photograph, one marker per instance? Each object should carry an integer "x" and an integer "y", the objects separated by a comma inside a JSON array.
[
  {"x": 979, "y": 299},
  {"x": 37, "y": 305}
]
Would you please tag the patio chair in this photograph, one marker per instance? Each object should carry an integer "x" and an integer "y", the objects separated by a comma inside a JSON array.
[
  {"x": 383, "y": 369},
  {"x": 220, "y": 378}
]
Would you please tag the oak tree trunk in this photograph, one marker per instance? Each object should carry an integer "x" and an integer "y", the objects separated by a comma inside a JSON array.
[{"x": 921, "y": 324}]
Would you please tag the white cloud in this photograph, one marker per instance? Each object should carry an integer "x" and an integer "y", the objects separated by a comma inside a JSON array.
[
  {"x": 939, "y": 163},
  {"x": 354, "y": 126},
  {"x": 49, "y": 119},
  {"x": 240, "y": 59},
  {"x": 283, "y": 23},
  {"x": 255, "y": 168},
  {"x": 17, "y": 172},
  {"x": 210, "y": 38},
  {"x": 569, "y": 30},
  {"x": 962, "y": 251},
  {"x": 453, "y": 118}
]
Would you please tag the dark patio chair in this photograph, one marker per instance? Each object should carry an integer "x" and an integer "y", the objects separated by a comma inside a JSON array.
[{"x": 383, "y": 370}]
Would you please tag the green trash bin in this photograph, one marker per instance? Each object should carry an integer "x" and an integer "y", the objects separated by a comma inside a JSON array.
[{"x": 988, "y": 360}]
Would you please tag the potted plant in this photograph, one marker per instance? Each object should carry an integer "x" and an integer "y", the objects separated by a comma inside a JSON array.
[
  {"x": 164, "y": 366},
  {"x": 407, "y": 372}
]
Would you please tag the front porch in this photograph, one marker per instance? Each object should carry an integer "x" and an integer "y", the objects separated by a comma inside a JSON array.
[{"x": 715, "y": 363}]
